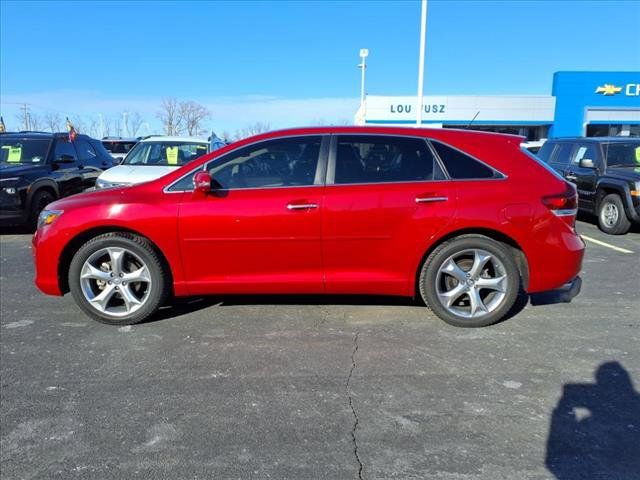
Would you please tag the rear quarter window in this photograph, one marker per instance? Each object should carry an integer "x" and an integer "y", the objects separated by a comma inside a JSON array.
[
  {"x": 545, "y": 151},
  {"x": 461, "y": 166}
]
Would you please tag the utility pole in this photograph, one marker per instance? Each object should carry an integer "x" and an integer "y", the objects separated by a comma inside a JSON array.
[
  {"x": 25, "y": 116},
  {"x": 364, "y": 53},
  {"x": 423, "y": 34}
]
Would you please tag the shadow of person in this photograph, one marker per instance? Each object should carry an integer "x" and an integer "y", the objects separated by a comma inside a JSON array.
[{"x": 595, "y": 429}]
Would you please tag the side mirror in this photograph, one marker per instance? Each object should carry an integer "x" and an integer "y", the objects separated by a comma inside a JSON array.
[
  {"x": 587, "y": 163},
  {"x": 202, "y": 182}
]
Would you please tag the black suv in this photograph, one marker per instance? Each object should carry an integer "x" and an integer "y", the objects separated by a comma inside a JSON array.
[
  {"x": 606, "y": 171},
  {"x": 38, "y": 168}
]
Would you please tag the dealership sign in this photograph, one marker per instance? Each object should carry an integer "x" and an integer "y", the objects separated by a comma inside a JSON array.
[
  {"x": 609, "y": 89},
  {"x": 460, "y": 108}
]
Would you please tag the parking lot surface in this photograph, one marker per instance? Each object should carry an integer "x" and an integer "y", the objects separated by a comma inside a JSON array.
[{"x": 336, "y": 388}]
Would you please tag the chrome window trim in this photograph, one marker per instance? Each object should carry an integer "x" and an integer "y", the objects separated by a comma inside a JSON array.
[
  {"x": 320, "y": 169},
  {"x": 331, "y": 164}
]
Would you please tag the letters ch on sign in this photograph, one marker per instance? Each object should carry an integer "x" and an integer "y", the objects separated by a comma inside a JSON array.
[{"x": 406, "y": 108}]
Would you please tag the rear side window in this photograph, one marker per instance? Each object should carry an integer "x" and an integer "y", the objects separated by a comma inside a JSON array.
[
  {"x": 86, "y": 153},
  {"x": 545, "y": 152},
  {"x": 562, "y": 154},
  {"x": 461, "y": 166},
  {"x": 379, "y": 159}
]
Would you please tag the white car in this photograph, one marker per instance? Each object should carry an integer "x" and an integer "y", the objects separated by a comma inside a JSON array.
[{"x": 152, "y": 158}]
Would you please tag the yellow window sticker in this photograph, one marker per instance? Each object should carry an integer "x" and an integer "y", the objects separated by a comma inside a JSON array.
[
  {"x": 15, "y": 155},
  {"x": 637, "y": 154},
  {"x": 172, "y": 155}
]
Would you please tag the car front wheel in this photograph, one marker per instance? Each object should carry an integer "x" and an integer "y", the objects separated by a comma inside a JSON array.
[
  {"x": 118, "y": 279},
  {"x": 612, "y": 218},
  {"x": 470, "y": 281}
]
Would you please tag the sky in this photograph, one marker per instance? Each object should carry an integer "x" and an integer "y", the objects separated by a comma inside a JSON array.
[{"x": 292, "y": 63}]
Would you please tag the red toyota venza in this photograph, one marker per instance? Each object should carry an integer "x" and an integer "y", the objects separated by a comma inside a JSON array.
[{"x": 465, "y": 221}]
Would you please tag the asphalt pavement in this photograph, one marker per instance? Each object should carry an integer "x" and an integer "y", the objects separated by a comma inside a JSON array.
[{"x": 313, "y": 387}]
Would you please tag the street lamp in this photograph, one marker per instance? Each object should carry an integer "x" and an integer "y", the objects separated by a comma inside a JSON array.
[
  {"x": 364, "y": 53},
  {"x": 423, "y": 33}
]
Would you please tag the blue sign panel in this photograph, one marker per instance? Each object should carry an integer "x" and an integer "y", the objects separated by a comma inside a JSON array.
[{"x": 577, "y": 92}]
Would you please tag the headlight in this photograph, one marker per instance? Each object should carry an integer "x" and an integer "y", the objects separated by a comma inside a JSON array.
[
  {"x": 5, "y": 182},
  {"x": 47, "y": 217},
  {"x": 103, "y": 183}
]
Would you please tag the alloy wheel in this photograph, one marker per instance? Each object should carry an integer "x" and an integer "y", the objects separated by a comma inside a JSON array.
[
  {"x": 471, "y": 283},
  {"x": 115, "y": 281}
]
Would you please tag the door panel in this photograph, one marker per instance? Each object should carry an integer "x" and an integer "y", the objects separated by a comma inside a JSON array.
[
  {"x": 252, "y": 241},
  {"x": 373, "y": 234}
]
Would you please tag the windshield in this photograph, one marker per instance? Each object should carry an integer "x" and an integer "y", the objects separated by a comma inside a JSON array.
[
  {"x": 118, "y": 147},
  {"x": 16, "y": 151},
  {"x": 165, "y": 153},
  {"x": 622, "y": 154}
]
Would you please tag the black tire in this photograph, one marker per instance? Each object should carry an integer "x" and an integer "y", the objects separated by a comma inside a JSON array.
[
  {"x": 39, "y": 201},
  {"x": 428, "y": 280},
  {"x": 616, "y": 223},
  {"x": 159, "y": 289}
]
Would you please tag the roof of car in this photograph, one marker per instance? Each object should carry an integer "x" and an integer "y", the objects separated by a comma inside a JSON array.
[
  {"x": 120, "y": 139},
  {"x": 163, "y": 138},
  {"x": 24, "y": 134}
]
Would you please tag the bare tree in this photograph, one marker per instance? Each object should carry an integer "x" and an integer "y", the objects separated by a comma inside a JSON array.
[
  {"x": 53, "y": 122},
  {"x": 93, "y": 128},
  {"x": 134, "y": 122},
  {"x": 170, "y": 116},
  {"x": 250, "y": 130},
  {"x": 192, "y": 115},
  {"x": 35, "y": 122}
]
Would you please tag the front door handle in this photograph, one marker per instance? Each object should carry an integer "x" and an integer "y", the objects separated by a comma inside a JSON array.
[
  {"x": 570, "y": 176},
  {"x": 431, "y": 199},
  {"x": 301, "y": 206}
]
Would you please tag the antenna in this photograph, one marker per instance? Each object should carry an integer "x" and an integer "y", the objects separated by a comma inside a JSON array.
[{"x": 474, "y": 117}]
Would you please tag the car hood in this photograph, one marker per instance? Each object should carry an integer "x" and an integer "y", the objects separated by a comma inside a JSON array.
[
  {"x": 624, "y": 173},
  {"x": 130, "y": 174},
  {"x": 8, "y": 170}
]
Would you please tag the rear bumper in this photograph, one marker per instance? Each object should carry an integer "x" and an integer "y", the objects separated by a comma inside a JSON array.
[{"x": 556, "y": 259}]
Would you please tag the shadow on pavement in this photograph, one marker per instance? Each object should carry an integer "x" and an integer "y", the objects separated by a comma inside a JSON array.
[{"x": 595, "y": 429}]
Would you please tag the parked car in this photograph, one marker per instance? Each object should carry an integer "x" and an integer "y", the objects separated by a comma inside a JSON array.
[
  {"x": 606, "y": 172},
  {"x": 464, "y": 220},
  {"x": 534, "y": 146},
  {"x": 151, "y": 158},
  {"x": 118, "y": 147},
  {"x": 38, "y": 168}
]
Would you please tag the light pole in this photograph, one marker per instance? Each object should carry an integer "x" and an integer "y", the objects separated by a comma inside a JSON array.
[
  {"x": 423, "y": 33},
  {"x": 364, "y": 53}
]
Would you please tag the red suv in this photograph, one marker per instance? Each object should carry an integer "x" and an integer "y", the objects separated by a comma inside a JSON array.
[{"x": 464, "y": 220}]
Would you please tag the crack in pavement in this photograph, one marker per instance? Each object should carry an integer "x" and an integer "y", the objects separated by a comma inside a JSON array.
[{"x": 353, "y": 410}]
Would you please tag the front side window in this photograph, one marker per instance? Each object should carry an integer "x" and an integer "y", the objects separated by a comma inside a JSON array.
[
  {"x": 169, "y": 153},
  {"x": 15, "y": 151},
  {"x": 273, "y": 163},
  {"x": 585, "y": 151},
  {"x": 461, "y": 166},
  {"x": 378, "y": 159}
]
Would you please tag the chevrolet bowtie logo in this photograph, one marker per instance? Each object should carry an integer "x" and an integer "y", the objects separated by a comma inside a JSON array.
[{"x": 608, "y": 89}]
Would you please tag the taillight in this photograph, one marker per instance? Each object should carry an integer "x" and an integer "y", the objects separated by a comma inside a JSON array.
[{"x": 563, "y": 204}]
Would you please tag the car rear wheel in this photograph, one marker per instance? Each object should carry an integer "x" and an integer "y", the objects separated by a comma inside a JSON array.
[
  {"x": 470, "y": 281},
  {"x": 118, "y": 279},
  {"x": 612, "y": 218}
]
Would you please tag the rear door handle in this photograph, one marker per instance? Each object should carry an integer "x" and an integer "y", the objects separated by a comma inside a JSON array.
[
  {"x": 431, "y": 199},
  {"x": 301, "y": 206}
]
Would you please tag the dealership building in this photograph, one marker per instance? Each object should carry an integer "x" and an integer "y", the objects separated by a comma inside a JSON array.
[{"x": 580, "y": 104}]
